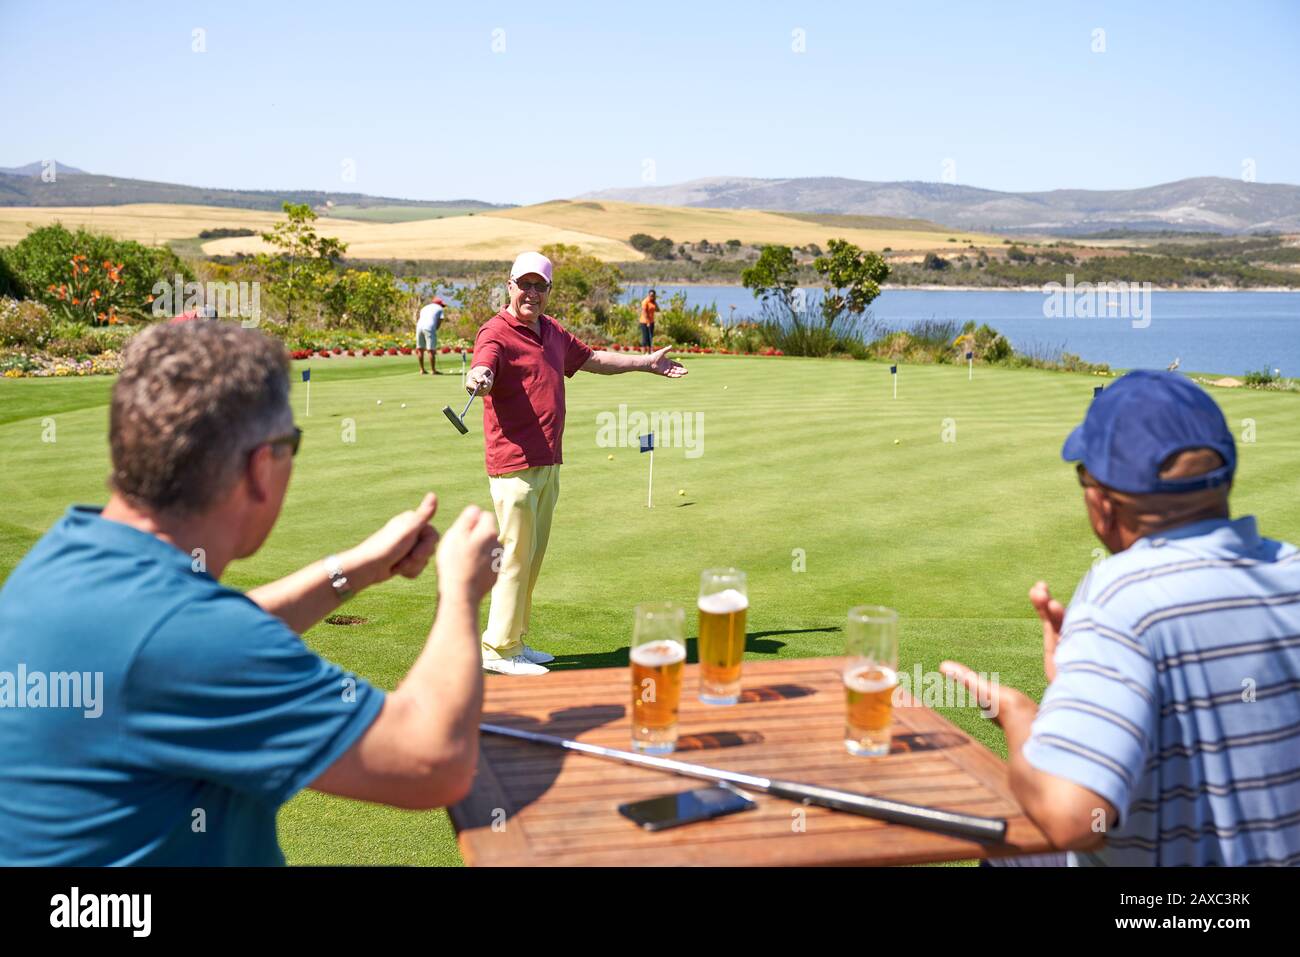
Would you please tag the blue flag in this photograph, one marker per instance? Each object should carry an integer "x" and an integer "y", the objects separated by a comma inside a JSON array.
[
  {"x": 893, "y": 370},
  {"x": 1096, "y": 390},
  {"x": 306, "y": 375},
  {"x": 648, "y": 442},
  {"x": 969, "y": 356}
]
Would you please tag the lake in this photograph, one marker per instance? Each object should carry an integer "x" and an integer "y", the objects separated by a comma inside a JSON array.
[{"x": 1229, "y": 333}]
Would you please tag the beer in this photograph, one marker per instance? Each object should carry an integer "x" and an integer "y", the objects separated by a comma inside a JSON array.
[
  {"x": 869, "y": 694},
  {"x": 656, "y": 692},
  {"x": 658, "y": 656},
  {"x": 870, "y": 677},
  {"x": 723, "y": 607}
]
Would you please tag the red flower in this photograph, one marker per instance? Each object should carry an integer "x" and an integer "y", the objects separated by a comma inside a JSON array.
[
  {"x": 445, "y": 349},
  {"x": 392, "y": 351},
  {"x": 323, "y": 353}
]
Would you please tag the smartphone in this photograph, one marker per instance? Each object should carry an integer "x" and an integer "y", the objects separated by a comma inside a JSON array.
[{"x": 670, "y": 810}]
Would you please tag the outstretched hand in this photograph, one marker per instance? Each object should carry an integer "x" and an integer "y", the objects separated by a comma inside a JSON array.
[
  {"x": 660, "y": 364},
  {"x": 1052, "y": 614}
]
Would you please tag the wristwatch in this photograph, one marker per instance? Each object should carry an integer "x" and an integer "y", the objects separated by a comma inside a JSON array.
[{"x": 338, "y": 581}]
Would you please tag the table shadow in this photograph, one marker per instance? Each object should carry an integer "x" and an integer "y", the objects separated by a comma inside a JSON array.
[{"x": 756, "y": 642}]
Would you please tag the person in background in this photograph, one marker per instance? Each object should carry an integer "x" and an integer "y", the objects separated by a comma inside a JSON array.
[
  {"x": 521, "y": 359},
  {"x": 1169, "y": 733},
  {"x": 649, "y": 307},
  {"x": 426, "y": 333}
]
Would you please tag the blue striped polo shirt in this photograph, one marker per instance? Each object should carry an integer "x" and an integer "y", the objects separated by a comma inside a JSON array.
[{"x": 1177, "y": 698}]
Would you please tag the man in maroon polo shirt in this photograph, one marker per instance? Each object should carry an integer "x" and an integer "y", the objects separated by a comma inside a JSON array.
[{"x": 521, "y": 359}]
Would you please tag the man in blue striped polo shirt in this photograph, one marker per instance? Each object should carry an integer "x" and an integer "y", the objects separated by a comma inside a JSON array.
[{"x": 1169, "y": 733}]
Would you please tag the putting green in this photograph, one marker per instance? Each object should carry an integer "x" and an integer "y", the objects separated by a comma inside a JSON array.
[{"x": 809, "y": 476}]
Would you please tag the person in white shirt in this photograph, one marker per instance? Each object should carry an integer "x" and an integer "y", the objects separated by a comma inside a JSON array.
[{"x": 426, "y": 334}]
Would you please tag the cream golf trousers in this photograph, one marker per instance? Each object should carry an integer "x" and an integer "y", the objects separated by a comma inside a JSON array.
[{"x": 524, "y": 501}]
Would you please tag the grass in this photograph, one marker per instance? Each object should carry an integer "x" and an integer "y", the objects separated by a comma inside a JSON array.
[
  {"x": 399, "y": 214},
  {"x": 797, "y": 454}
]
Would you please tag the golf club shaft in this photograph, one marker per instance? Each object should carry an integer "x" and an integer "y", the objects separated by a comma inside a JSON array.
[
  {"x": 467, "y": 404},
  {"x": 965, "y": 825}
]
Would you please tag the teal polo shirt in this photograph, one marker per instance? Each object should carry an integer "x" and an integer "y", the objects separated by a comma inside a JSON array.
[{"x": 150, "y": 715}]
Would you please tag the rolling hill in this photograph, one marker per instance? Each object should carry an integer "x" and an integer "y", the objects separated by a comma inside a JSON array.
[{"x": 600, "y": 229}]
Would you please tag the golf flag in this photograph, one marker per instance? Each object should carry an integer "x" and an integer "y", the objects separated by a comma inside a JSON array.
[
  {"x": 306, "y": 377},
  {"x": 970, "y": 365},
  {"x": 893, "y": 371},
  {"x": 648, "y": 445}
]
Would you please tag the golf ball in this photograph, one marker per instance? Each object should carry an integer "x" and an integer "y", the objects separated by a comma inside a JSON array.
[
  {"x": 379, "y": 402},
  {"x": 895, "y": 441},
  {"x": 681, "y": 491},
  {"x": 403, "y": 405},
  {"x": 724, "y": 388},
  {"x": 610, "y": 457}
]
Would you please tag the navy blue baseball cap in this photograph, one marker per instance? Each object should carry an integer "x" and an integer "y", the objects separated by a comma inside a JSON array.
[{"x": 1140, "y": 420}]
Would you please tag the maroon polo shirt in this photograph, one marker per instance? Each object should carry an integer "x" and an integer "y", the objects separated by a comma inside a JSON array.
[{"x": 523, "y": 415}]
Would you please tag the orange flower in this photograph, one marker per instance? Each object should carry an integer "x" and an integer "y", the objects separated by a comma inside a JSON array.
[
  {"x": 76, "y": 302},
  {"x": 52, "y": 287},
  {"x": 148, "y": 298},
  {"x": 108, "y": 264}
]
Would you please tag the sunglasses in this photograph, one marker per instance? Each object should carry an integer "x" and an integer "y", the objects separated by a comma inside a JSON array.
[
  {"x": 532, "y": 286},
  {"x": 293, "y": 440}
]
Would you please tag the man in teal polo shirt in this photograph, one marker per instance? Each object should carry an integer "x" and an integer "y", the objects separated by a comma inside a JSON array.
[{"x": 151, "y": 715}]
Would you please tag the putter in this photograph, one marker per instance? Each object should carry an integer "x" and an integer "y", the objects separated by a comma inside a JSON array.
[{"x": 457, "y": 420}]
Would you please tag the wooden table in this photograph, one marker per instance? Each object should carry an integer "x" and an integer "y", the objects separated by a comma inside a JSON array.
[{"x": 537, "y": 805}]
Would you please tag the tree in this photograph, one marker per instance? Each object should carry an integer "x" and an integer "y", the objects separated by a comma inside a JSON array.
[
  {"x": 581, "y": 285},
  {"x": 641, "y": 242},
  {"x": 368, "y": 298},
  {"x": 853, "y": 277},
  {"x": 936, "y": 263},
  {"x": 773, "y": 276},
  {"x": 298, "y": 271}
]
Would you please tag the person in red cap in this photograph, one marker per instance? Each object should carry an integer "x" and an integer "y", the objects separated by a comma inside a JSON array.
[
  {"x": 426, "y": 333},
  {"x": 521, "y": 358}
]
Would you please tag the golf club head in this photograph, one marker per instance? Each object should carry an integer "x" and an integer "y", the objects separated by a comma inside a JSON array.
[{"x": 455, "y": 419}]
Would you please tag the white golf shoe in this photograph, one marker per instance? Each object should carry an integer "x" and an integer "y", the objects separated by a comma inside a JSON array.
[
  {"x": 518, "y": 665},
  {"x": 537, "y": 657}
]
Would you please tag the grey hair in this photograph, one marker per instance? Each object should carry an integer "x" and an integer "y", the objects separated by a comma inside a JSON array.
[{"x": 192, "y": 401}]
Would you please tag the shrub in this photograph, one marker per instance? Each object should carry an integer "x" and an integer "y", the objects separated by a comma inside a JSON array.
[
  {"x": 25, "y": 324},
  {"x": 56, "y": 266},
  {"x": 1261, "y": 379}
]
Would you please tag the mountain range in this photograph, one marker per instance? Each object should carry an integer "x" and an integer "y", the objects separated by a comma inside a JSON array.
[
  {"x": 1201, "y": 204},
  {"x": 23, "y": 186}
]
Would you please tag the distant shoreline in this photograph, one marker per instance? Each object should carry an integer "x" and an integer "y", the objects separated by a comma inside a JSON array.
[{"x": 891, "y": 287}]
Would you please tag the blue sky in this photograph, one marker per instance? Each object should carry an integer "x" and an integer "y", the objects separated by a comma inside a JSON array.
[{"x": 416, "y": 99}]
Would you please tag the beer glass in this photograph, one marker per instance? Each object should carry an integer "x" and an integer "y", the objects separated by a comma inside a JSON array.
[
  {"x": 870, "y": 677},
  {"x": 658, "y": 655},
  {"x": 723, "y": 605}
]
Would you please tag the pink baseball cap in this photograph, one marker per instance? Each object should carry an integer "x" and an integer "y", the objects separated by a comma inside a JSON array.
[{"x": 527, "y": 263}]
